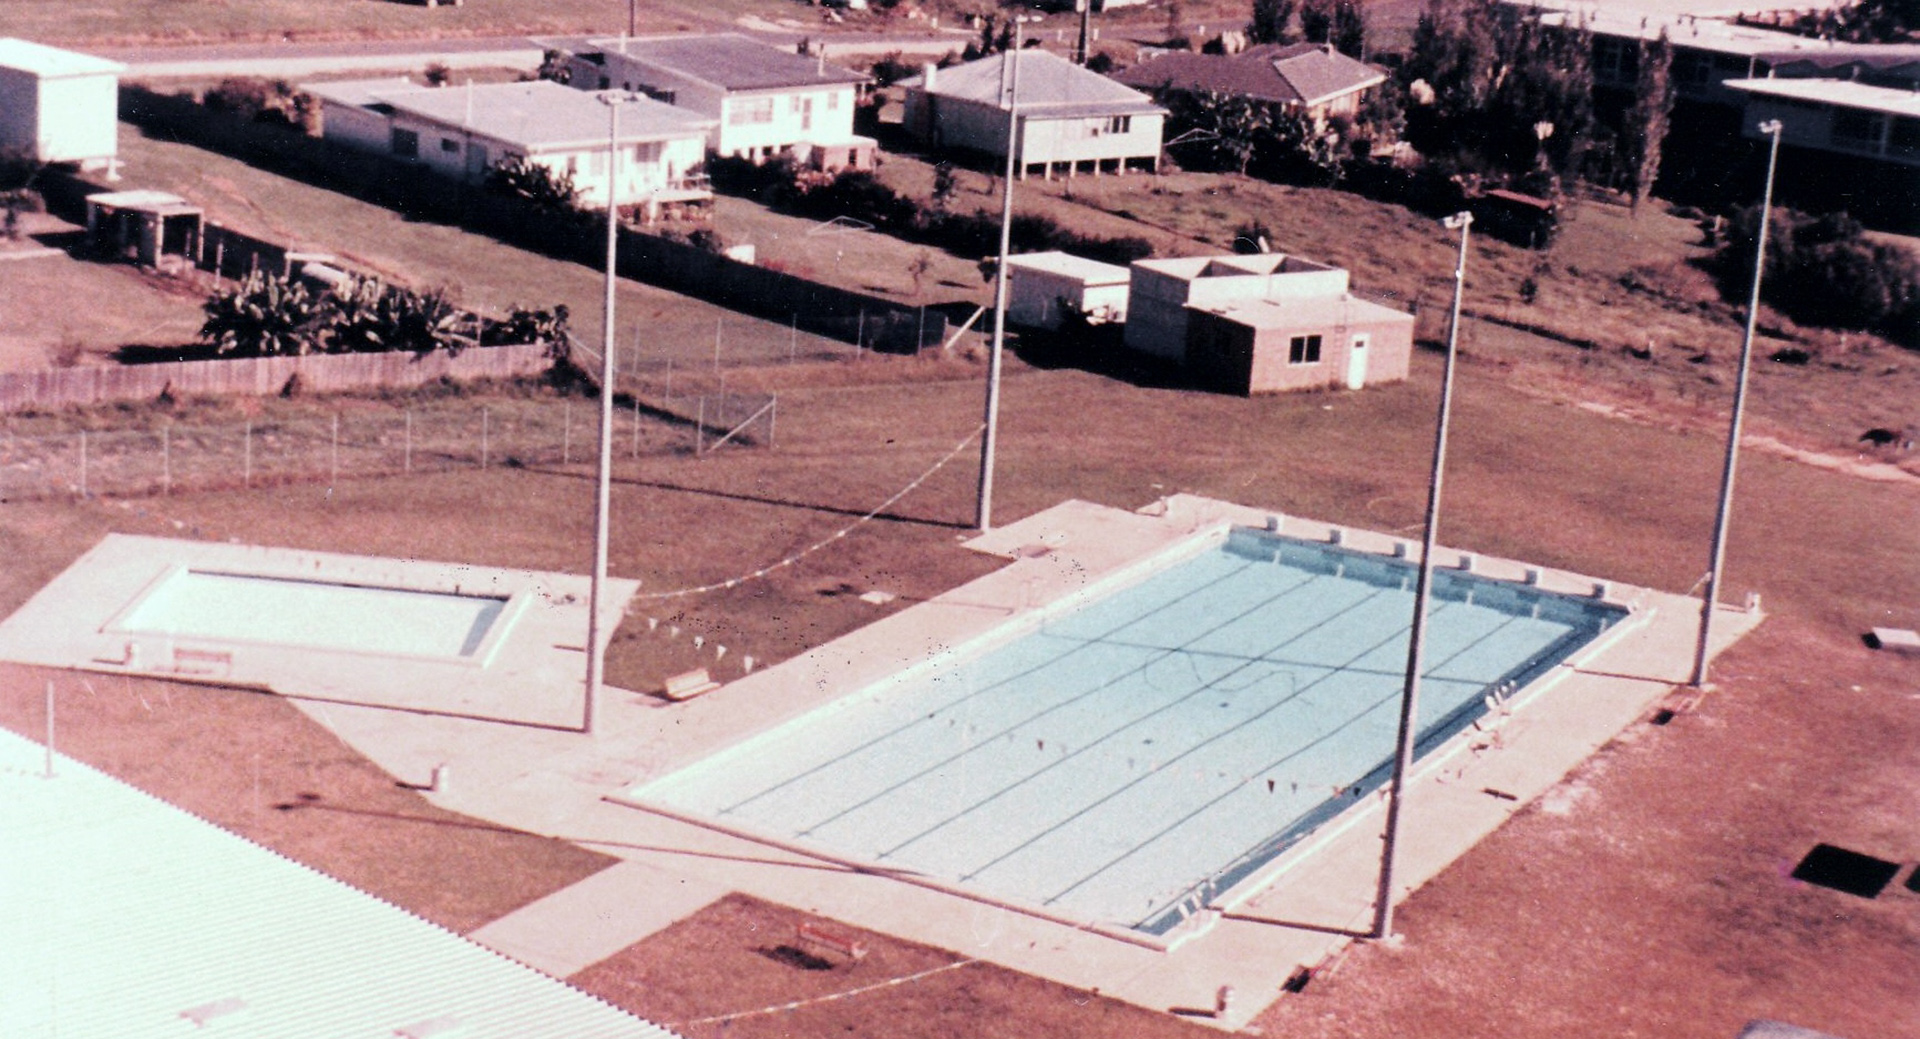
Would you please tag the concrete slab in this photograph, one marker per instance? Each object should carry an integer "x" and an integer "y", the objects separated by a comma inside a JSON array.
[
  {"x": 441, "y": 638},
  {"x": 1312, "y": 902}
]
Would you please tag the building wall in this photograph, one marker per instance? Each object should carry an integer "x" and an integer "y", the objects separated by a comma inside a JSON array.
[
  {"x": 788, "y": 122},
  {"x": 1836, "y": 129},
  {"x": 61, "y": 118},
  {"x": 1230, "y": 357},
  {"x": 1033, "y": 297},
  {"x": 948, "y": 122},
  {"x": 1090, "y": 138},
  {"x": 1157, "y": 314},
  {"x": 641, "y": 169},
  {"x": 354, "y": 127}
]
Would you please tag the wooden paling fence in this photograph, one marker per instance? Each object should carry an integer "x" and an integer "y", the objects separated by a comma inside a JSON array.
[{"x": 262, "y": 376}]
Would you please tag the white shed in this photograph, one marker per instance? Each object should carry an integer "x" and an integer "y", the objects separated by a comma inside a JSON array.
[
  {"x": 59, "y": 105},
  {"x": 1041, "y": 285}
]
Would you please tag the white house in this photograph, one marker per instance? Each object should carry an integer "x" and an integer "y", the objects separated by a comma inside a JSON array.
[
  {"x": 462, "y": 131},
  {"x": 763, "y": 101},
  {"x": 58, "y": 105},
  {"x": 1042, "y": 287},
  {"x": 1854, "y": 100},
  {"x": 1070, "y": 120}
]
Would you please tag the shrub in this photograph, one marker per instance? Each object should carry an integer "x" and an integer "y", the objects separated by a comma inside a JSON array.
[{"x": 1823, "y": 270}]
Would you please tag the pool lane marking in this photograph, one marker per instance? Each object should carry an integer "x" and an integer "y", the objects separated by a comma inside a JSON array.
[
  {"x": 1101, "y": 740},
  {"x": 986, "y": 741},
  {"x": 1352, "y": 720},
  {"x": 968, "y": 694},
  {"x": 1189, "y": 751}
]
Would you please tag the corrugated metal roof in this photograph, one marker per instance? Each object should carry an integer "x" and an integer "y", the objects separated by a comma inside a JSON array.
[
  {"x": 1303, "y": 73},
  {"x": 1047, "y": 82},
  {"x": 1838, "y": 92},
  {"x": 729, "y": 61},
  {"x": 534, "y": 115},
  {"x": 42, "y": 60},
  {"x": 124, "y": 917}
]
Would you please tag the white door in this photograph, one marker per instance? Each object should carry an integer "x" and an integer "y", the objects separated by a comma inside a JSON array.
[{"x": 1357, "y": 363}]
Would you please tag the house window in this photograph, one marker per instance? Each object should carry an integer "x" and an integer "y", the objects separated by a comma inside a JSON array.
[
  {"x": 1692, "y": 68},
  {"x": 1303, "y": 350},
  {"x": 406, "y": 143},
  {"x": 1858, "y": 131},
  {"x": 833, "y": 101},
  {"x": 750, "y": 111},
  {"x": 450, "y": 146}
]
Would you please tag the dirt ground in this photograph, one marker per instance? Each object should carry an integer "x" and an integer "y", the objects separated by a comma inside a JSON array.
[{"x": 1647, "y": 893}]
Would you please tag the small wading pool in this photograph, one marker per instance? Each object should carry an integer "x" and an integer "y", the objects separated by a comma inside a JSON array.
[
  {"x": 312, "y": 614},
  {"x": 1135, "y": 756}
]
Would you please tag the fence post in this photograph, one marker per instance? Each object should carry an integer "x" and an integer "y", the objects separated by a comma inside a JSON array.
[
  {"x": 700, "y": 424},
  {"x": 793, "y": 337},
  {"x": 566, "y": 429},
  {"x": 83, "y": 465},
  {"x": 166, "y": 459},
  {"x": 406, "y": 457},
  {"x": 246, "y": 465},
  {"x": 636, "y": 421},
  {"x": 335, "y": 452},
  {"x": 717, "y": 321},
  {"x": 920, "y": 330},
  {"x": 486, "y": 433},
  {"x": 860, "y": 335},
  {"x": 773, "y": 414}
]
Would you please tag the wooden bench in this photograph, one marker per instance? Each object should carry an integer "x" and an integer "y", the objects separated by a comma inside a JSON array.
[
  {"x": 689, "y": 684},
  {"x": 809, "y": 937}
]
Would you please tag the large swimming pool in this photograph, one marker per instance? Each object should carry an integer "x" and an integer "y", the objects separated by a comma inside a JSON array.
[{"x": 1134, "y": 755}]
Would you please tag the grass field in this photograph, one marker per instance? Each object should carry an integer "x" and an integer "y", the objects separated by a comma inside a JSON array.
[{"x": 1790, "y": 751}]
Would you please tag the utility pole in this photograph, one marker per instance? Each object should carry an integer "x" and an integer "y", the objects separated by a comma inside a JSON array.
[
  {"x": 1719, "y": 558},
  {"x": 1410, "y": 697},
  {"x": 983, "y": 517},
  {"x": 603, "y": 492}
]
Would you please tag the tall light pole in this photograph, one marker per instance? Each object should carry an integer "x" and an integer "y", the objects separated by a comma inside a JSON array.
[
  {"x": 1410, "y": 696},
  {"x": 1772, "y": 128},
  {"x": 603, "y": 492},
  {"x": 633, "y": 17},
  {"x": 983, "y": 516}
]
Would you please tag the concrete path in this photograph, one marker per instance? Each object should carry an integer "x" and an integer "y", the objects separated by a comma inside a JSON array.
[{"x": 1317, "y": 899}]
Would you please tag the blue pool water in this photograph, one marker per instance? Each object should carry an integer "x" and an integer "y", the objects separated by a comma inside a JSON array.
[{"x": 1129, "y": 759}]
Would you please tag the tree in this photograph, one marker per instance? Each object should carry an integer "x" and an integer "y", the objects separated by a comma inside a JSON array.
[
  {"x": 1316, "y": 20},
  {"x": 1271, "y": 21},
  {"x": 1220, "y": 131},
  {"x": 536, "y": 183},
  {"x": 1349, "y": 34},
  {"x": 945, "y": 183},
  {"x": 1646, "y": 122},
  {"x": 437, "y": 74},
  {"x": 1881, "y": 21}
]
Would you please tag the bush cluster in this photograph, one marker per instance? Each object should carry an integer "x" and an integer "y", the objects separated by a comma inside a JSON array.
[
  {"x": 272, "y": 315},
  {"x": 1823, "y": 270},
  {"x": 860, "y": 195}
]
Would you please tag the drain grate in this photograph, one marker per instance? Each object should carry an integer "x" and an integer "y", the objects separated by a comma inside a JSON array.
[{"x": 1843, "y": 870}]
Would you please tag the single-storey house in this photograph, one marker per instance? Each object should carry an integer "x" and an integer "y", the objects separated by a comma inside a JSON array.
[
  {"x": 762, "y": 101},
  {"x": 1043, "y": 288},
  {"x": 59, "y": 106},
  {"x": 1310, "y": 78},
  {"x": 1265, "y": 324},
  {"x": 1070, "y": 119},
  {"x": 461, "y": 132}
]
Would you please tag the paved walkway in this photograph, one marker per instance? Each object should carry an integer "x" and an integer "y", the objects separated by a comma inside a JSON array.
[{"x": 558, "y": 784}]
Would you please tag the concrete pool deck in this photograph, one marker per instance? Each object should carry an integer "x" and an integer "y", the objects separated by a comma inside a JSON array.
[
  {"x": 559, "y": 784},
  {"x": 505, "y": 645}
]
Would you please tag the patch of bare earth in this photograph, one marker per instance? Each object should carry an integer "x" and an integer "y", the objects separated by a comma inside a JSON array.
[
  {"x": 253, "y": 764},
  {"x": 738, "y": 969},
  {"x": 1650, "y": 894}
]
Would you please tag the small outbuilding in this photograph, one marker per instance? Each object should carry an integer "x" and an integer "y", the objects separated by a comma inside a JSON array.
[
  {"x": 1268, "y": 323},
  {"x": 1044, "y": 288},
  {"x": 144, "y": 226},
  {"x": 59, "y": 106}
]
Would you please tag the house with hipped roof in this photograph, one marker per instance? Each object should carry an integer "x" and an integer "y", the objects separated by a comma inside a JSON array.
[
  {"x": 653, "y": 157},
  {"x": 763, "y": 101},
  {"x": 1069, "y": 120},
  {"x": 1312, "y": 79}
]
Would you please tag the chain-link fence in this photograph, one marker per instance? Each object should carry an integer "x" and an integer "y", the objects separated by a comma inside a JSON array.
[{"x": 165, "y": 458}]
